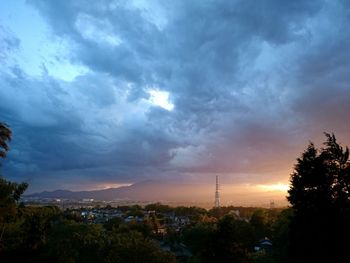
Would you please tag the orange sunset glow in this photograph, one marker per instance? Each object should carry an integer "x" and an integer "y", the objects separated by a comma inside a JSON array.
[{"x": 174, "y": 131}]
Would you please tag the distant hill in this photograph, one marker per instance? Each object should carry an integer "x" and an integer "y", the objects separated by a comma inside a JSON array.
[
  {"x": 146, "y": 191},
  {"x": 178, "y": 192}
]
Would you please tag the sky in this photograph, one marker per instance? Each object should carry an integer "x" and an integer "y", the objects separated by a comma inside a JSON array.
[{"x": 107, "y": 93}]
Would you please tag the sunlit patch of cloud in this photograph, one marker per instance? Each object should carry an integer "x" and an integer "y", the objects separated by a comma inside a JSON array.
[
  {"x": 97, "y": 30},
  {"x": 160, "y": 98}
]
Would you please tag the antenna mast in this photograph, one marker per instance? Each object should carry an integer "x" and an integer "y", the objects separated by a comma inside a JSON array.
[{"x": 217, "y": 195}]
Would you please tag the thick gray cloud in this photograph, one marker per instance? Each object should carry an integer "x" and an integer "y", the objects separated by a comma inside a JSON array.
[{"x": 251, "y": 83}]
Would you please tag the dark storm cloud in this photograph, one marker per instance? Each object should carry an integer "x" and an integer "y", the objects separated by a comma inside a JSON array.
[
  {"x": 62, "y": 133},
  {"x": 251, "y": 82}
]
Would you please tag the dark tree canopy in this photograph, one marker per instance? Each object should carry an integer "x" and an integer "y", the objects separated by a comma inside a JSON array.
[
  {"x": 315, "y": 229},
  {"x": 5, "y": 136},
  {"x": 10, "y": 192},
  {"x": 320, "y": 196}
]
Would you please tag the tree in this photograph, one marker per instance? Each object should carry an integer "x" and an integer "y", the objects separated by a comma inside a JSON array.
[
  {"x": 260, "y": 223},
  {"x": 234, "y": 240},
  {"x": 200, "y": 239},
  {"x": 10, "y": 192},
  {"x": 134, "y": 248},
  {"x": 320, "y": 196},
  {"x": 5, "y": 136},
  {"x": 280, "y": 235},
  {"x": 75, "y": 242}
]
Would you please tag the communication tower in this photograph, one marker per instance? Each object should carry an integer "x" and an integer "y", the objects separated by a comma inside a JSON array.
[{"x": 217, "y": 195}]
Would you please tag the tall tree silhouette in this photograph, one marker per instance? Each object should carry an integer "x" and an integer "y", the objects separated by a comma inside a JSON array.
[
  {"x": 10, "y": 192},
  {"x": 320, "y": 196},
  {"x": 5, "y": 136}
]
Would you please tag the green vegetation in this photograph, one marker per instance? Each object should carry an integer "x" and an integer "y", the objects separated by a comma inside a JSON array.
[
  {"x": 320, "y": 196},
  {"x": 5, "y": 137},
  {"x": 42, "y": 234},
  {"x": 314, "y": 229}
]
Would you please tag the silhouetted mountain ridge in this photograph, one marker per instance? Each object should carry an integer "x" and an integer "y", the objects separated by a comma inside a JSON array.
[{"x": 145, "y": 190}]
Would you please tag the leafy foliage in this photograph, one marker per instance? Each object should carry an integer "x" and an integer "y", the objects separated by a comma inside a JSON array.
[
  {"x": 320, "y": 196},
  {"x": 133, "y": 247},
  {"x": 5, "y": 136},
  {"x": 316, "y": 227}
]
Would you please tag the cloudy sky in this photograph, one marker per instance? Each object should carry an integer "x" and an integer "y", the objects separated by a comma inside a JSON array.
[{"x": 105, "y": 93}]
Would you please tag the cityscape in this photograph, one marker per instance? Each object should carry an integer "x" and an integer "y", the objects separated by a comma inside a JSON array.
[{"x": 174, "y": 131}]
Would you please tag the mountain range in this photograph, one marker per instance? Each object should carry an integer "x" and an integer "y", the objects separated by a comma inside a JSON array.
[
  {"x": 173, "y": 192},
  {"x": 145, "y": 191}
]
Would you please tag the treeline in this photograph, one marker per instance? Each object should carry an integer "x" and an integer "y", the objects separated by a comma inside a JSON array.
[
  {"x": 48, "y": 234},
  {"x": 316, "y": 228}
]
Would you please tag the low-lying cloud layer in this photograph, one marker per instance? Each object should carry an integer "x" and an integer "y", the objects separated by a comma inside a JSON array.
[{"x": 250, "y": 82}]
